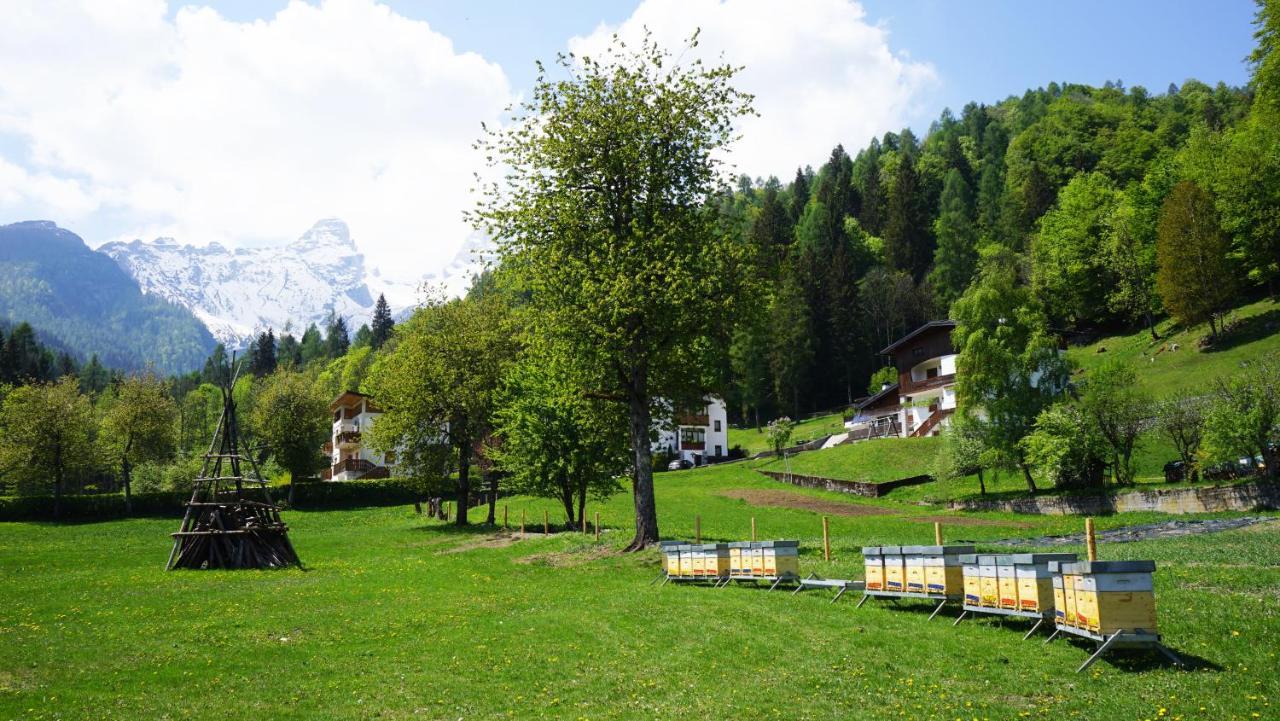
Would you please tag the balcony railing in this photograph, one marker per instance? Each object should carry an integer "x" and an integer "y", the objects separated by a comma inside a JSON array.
[
  {"x": 347, "y": 438},
  {"x": 353, "y": 465},
  {"x": 692, "y": 419},
  {"x": 693, "y": 445}
]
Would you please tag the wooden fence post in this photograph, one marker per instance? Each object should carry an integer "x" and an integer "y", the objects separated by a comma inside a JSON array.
[
  {"x": 504, "y": 516},
  {"x": 546, "y": 526},
  {"x": 521, "y": 521},
  {"x": 753, "y": 528},
  {"x": 697, "y": 529},
  {"x": 826, "y": 540},
  {"x": 597, "y": 526},
  {"x": 937, "y": 533},
  {"x": 1091, "y": 543},
  {"x": 584, "y": 522}
]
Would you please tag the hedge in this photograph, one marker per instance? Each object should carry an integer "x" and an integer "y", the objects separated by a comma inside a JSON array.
[{"x": 307, "y": 496}]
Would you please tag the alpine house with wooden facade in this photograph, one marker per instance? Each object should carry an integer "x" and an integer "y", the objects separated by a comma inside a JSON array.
[
  {"x": 349, "y": 452},
  {"x": 697, "y": 435},
  {"x": 924, "y": 397}
]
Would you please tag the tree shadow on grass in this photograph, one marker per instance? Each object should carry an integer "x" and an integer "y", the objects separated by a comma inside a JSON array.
[{"x": 1247, "y": 330}]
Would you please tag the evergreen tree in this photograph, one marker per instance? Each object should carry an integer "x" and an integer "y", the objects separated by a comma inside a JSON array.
[
  {"x": 93, "y": 377},
  {"x": 312, "y": 346},
  {"x": 792, "y": 347},
  {"x": 215, "y": 366},
  {"x": 907, "y": 241},
  {"x": 289, "y": 352},
  {"x": 799, "y": 195},
  {"x": 873, "y": 212},
  {"x": 335, "y": 336},
  {"x": 363, "y": 337},
  {"x": 262, "y": 356},
  {"x": 1194, "y": 279},
  {"x": 770, "y": 230},
  {"x": 956, "y": 257},
  {"x": 382, "y": 323}
]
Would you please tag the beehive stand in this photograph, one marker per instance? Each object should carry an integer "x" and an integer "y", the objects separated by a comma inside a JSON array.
[
  {"x": 895, "y": 571},
  {"x": 1040, "y": 616},
  {"x": 813, "y": 580},
  {"x": 231, "y": 521}
]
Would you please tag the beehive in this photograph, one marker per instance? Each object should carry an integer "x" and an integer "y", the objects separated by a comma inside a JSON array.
[
  {"x": 1007, "y": 582},
  {"x": 895, "y": 577},
  {"x": 1035, "y": 582},
  {"x": 699, "y": 560},
  {"x": 972, "y": 579},
  {"x": 943, "y": 572},
  {"x": 913, "y": 568},
  {"x": 989, "y": 585},
  {"x": 1059, "y": 594},
  {"x": 735, "y": 558},
  {"x": 686, "y": 560},
  {"x": 715, "y": 560},
  {"x": 1069, "y": 578},
  {"x": 873, "y": 562},
  {"x": 670, "y": 557},
  {"x": 757, "y": 558},
  {"x": 1113, "y": 596},
  {"x": 781, "y": 558}
]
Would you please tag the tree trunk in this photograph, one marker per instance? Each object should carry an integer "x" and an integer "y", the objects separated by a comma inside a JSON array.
[
  {"x": 57, "y": 481},
  {"x": 292, "y": 482},
  {"x": 1151, "y": 326},
  {"x": 1026, "y": 473},
  {"x": 566, "y": 501},
  {"x": 125, "y": 470},
  {"x": 642, "y": 478},
  {"x": 582, "y": 503},
  {"x": 982, "y": 485},
  {"x": 464, "y": 482},
  {"x": 492, "y": 520}
]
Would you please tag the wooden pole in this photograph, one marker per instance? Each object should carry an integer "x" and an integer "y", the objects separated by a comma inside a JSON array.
[
  {"x": 753, "y": 528},
  {"x": 1091, "y": 543},
  {"x": 697, "y": 529},
  {"x": 504, "y": 516},
  {"x": 597, "y": 525},
  {"x": 546, "y": 525},
  {"x": 584, "y": 523},
  {"x": 937, "y": 533},
  {"x": 521, "y": 521},
  {"x": 826, "y": 540}
]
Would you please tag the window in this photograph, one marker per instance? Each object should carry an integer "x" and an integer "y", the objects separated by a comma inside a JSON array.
[
  {"x": 717, "y": 429},
  {"x": 917, "y": 352},
  {"x": 931, "y": 373},
  {"x": 719, "y": 450},
  {"x": 693, "y": 438}
]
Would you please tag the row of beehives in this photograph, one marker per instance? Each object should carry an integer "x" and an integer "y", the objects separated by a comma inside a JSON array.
[
  {"x": 1101, "y": 597},
  {"x": 743, "y": 559}
]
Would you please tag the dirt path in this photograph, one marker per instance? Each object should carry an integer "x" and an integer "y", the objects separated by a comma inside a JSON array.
[
  {"x": 1144, "y": 532},
  {"x": 802, "y": 502}
]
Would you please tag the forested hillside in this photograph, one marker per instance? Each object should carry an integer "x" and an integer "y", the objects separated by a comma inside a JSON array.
[
  {"x": 83, "y": 302},
  {"x": 1067, "y": 183}
]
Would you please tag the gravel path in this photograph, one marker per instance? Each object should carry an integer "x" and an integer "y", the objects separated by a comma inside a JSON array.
[{"x": 1144, "y": 532}]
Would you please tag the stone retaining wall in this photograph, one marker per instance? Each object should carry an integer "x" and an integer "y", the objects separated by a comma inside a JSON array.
[
  {"x": 1242, "y": 497},
  {"x": 859, "y": 488}
]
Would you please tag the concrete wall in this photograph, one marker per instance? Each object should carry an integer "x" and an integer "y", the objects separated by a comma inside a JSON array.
[
  {"x": 858, "y": 488},
  {"x": 1242, "y": 497}
]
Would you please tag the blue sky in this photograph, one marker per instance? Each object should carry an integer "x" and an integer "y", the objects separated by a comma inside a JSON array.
[{"x": 244, "y": 121}]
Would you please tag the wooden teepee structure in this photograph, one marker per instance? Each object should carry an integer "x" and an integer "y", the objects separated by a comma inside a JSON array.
[{"x": 231, "y": 521}]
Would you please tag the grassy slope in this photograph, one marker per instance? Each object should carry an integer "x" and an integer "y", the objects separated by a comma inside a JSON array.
[
  {"x": 753, "y": 441},
  {"x": 396, "y": 617},
  {"x": 876, "y": 461},
  {"x": 1188, "y": 368}
]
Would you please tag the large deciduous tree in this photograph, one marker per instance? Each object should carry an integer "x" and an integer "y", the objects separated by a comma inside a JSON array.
[
  {"x": 1195, "y": 279},
  {"x": 1244, "y": 416},
  {"x": 46, "y": 435},
  {"x": 292, "y": 418},
  {"x": 439, "y": 385},
  {"x": 139, "y": 425},
  {"x": 604, "y": 207}
]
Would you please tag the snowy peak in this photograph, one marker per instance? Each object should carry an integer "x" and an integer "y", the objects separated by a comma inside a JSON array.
[{"x": 328, "y": 234}]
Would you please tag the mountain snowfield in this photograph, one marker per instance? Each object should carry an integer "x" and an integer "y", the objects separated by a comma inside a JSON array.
[{"x": 240, "y": 293}]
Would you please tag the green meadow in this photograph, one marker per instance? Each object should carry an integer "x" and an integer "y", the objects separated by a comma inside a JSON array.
[{"x": 398, "y": 617}]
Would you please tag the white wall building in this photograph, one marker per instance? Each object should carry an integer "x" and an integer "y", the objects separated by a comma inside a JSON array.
[
  {"x": 350, "y": 455},
  {"x": 697, "y": 435},
  {"x": 923, "y": 399}
]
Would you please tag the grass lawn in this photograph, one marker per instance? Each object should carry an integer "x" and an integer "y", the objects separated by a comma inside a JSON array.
[
  {"x": 397, "y": 617},
  {"x": 753, "y": 441},
  {"x": 1257, "y": 332},
  {"x": 874, "y": 461}
]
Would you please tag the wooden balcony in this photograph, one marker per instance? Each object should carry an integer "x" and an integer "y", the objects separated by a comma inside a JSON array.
[
  {"x": 911, "y": 387},
  {"x": 693, "y": 419},
  {"x": 693, "y": 445},
  {"x": 349, "y": 438},
  {"x": 357, "y": 466}
]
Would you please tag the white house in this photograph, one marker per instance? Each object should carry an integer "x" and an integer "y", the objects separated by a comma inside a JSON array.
[
  {"x": 349, "y": 453},
  {"x": 923, "y": 399},
  {"x": 697, "y": 435}
]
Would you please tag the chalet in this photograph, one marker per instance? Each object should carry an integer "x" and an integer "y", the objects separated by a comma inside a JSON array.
[
  {"x": 697, "y": 435},
  {"x": 349, "y": 452},
  {"x": 924, "y": 397}
]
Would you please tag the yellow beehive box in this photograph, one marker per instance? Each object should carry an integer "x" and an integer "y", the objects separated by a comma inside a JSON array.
[
  {"x": 873, "y": 568},
  {"x": 1069, "y": 595},
  {"x": 1035, "y": 581},
  {"x": 781, "y": 558},
  {"x": 1114, "y": 596},
  {"x": 1059, "y": 599},
  {"x": 895, "y": 575},
  {"x": 943, "y": 571},
  {"x": 735, "y": 558},
  {"x": 715, "y": 560},
  {"x": 972, "y": 581},
  {"x": 913, "y": 568},
  {"x": 670, "y": 557},
  {"x": 757, "y": 559},
  {"x": 686, "y": 560},
  {"x": 699, "y": 560},
  {"x": 988, "y": 583},
  {"x": 1007, "y": 581}
]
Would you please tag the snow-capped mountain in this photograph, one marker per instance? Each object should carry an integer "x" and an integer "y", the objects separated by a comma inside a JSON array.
[{"x": 239, "y": 293}]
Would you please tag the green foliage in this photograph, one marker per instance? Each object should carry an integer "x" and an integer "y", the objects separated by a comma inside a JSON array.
[
  {"x": 962, "y": 451},
  {"x": 886, "y": 374},
  {"x": 603, "y": 209},
  {"x": 1265, "y": 58},
  {"x": 382, "y": 324},
  {"x": 1243, "y": 418},
  {"x": 139, "y": 425},
  {"x": 791, "y": 345},
  {"x": 779, "y": 433},
  {"x": 336, "y": 339},
  {"x": 1115, "y": 408},
  {"x": 1069, "y": 269},
  {"x": 46, "y": 437},
  {"x": 1195, "y": 281},
  {"x": 1066, "y": 447},
  {"x": 1180, "y": 419},
  {"x": 956, "y": 258},
  {"x": 291, "y": 418}
]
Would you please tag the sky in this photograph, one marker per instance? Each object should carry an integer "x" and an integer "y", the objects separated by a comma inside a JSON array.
[{"x": 244, "y": 121}]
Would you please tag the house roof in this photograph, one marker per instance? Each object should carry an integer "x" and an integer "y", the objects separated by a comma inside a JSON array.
[
  {"x": 346, "y": 399},
  {"x": 927, "y": 326},
  {"x": 892, "y": 388}
]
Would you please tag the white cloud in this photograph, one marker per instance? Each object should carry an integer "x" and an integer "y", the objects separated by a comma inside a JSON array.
[
  {"x": 207, "y": 130},
  {"x": 821, "y": 74}
]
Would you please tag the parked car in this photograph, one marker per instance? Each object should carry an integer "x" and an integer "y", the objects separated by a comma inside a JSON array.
[{"x": 679, "y": 464}]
